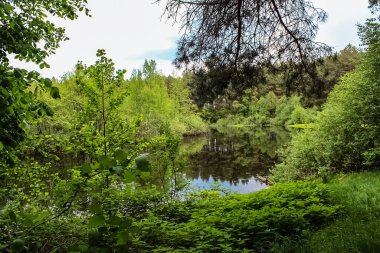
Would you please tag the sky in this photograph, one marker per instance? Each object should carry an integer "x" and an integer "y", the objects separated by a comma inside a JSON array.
[{"x": 134, "y": 30}]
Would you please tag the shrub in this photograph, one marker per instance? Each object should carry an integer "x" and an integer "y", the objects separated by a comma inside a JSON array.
[
  {"x": 346, "y": 133},
  {"x": 237, "y": 223}
]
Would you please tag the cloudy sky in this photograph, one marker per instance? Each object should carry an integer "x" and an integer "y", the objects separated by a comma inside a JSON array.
[{"x": 133, "y": 30}]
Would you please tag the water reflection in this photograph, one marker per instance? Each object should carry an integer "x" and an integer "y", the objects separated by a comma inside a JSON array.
[{"x": 232, "y": 158}]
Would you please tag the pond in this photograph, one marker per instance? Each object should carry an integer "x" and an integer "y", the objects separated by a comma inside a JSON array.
[{"x": 233, "y": 159}]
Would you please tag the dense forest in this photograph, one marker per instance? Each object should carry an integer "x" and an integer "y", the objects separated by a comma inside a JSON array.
[{"x": 268, "y": 142}]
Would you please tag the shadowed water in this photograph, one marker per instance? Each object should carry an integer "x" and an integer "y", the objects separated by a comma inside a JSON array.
[{"x": 232, "y": 159}]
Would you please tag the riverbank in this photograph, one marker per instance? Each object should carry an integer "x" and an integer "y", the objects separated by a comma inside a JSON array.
[{"x": 341, "y": 215}]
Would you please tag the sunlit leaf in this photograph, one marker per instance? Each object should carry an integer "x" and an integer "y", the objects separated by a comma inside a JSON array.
[
  {"x": 120, "y": 155},
  {"x": 129, "y": 177}
]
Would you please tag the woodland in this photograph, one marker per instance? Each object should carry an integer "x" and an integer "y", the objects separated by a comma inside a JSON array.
[{"x": 94, "y": 161}]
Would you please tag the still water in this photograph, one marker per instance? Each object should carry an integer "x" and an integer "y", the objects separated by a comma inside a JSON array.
[{"x": 231, "y": 159}]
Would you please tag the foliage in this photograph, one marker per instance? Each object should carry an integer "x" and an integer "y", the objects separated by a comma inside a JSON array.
[
  {"x": 346, "y": 133},
  {"x": 210, "y": 83},
  {"x": 104, "y": 90},
  {"x": 268, "y": 110},
  {"x": 236, "y": 223},
  {"x": 127, "y": 220},
  {"x": 356, "y": 230},
  {"x": 26, "y": 33},
  {"x": 163, "y": 103},
  {"x": 243, "y": 33},
  {"x": 26, "y": 23}
]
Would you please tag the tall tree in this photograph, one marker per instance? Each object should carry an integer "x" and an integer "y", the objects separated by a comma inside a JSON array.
[
  {"x": 26, "y": 33},
  {"x": 104, "y": 90}
]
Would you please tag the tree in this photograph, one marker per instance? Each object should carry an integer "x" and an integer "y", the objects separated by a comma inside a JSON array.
[
  {"x": 104, "y": 90},
  {"x": 246, "y": 32},
  {"x": 346, "y": 133},
  {"x": 374, "y": 5},
  {"x": 26, "y": 33}
]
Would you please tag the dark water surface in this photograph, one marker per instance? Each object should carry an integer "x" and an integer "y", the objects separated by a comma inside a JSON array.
[{"x": 232, "y": 159}]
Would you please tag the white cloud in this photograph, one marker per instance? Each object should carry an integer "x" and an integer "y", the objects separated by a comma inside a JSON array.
[
  {"x": 127, "y": 29},
  {"x": 131, "y": 30},
  {"x": 340, "y": 28}
]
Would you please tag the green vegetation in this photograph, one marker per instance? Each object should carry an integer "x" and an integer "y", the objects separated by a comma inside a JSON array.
[
  {"x": 268, "y": 110},
  {"x": 357, "y": 229},
  {"x": 92, "y": 162},
  {"x": 26, "y": 33},
  {"x": 147, "y": 222},
  {"x": 345, "y": 135}
]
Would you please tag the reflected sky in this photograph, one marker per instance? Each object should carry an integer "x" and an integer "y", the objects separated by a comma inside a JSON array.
[
  {"x": 242, "y": 186},
  {"x": 232, "y": 159}
]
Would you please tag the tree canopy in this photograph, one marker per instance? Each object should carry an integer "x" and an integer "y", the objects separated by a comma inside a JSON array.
[
  {"x": 27, "y": 33},
  {"x": 241, "y": 32}
]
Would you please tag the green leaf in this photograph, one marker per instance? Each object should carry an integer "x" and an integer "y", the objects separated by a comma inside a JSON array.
[
  {"x": 117, "y": 170},
  {"x": 129, "y": 177},
  {"x": 122, "y": 238},
  {"x": 78, "y": 247},
  {"x": 145, "y": 175},
  {"x": 54, "y": 92},
  {"x": 142, "y": 162},
  {"x": 86, "y": 169},
  {"x": 12, "y": 216},
  {"x": 54, "y": 250},
  {"x": 18, "y": 244},
  {"x": 127, "y": 224},
  {"x": 2, "y": 13},
  {"x": 96, "y": 221},
  {"x": 1, "y": 146},
  {"x": 114, "y": 220},
  {"x": 8, "y": 8},
  {"x": 120, "y": 155},
  {"x": 48, "y": 82},
  {"x": 107, "y": 162},
  {"x": 18, "y": 73},
  {"x": 95, "y": 166},
  {"x": 95, "y": 209}
]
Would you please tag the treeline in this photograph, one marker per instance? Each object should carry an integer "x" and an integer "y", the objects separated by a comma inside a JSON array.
[
  {"x": 217, "y": 90},
  {"x": 99, "y": 111},
  {"x": 268, "y": 110}
]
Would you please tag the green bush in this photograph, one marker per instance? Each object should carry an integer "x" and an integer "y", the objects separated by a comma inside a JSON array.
[
  {"x": 346, "y": 133},
  {"x": 238, "y": 223}
]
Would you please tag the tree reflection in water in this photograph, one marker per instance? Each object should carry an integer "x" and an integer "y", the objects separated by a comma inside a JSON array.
[{"x": 232, "y": 157}]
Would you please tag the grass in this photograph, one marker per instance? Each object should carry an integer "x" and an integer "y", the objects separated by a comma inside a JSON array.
[{"x": 358, "y": 229}]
